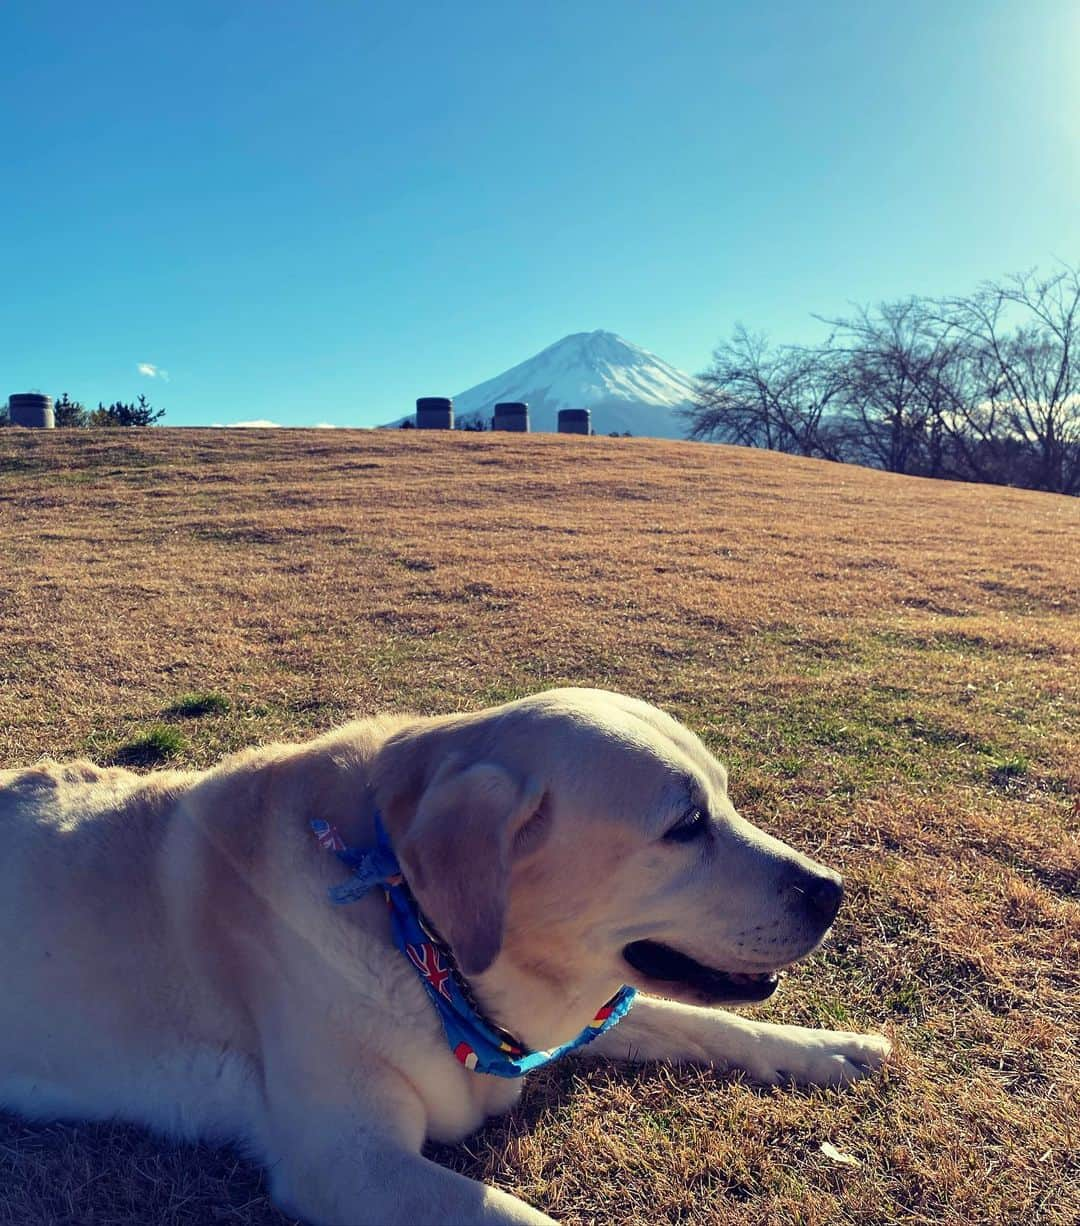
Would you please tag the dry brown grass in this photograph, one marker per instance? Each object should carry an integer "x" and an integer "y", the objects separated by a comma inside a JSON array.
[{"x": 888, "y": 665}]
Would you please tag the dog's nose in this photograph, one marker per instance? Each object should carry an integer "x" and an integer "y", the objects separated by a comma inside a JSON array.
[
  {"x": 816, "y": 892},
  {"x": 823, "y": 898}
]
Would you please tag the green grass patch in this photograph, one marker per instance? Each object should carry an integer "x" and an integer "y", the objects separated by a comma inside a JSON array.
[
  {"x": 156, "y": 745},
  {"x": 191, "y": 706}
]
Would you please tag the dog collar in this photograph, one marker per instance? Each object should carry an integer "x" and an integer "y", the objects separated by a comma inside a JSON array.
[{"x": 475, "y": 1041}]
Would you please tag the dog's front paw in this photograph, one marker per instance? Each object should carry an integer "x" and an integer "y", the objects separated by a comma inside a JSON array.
[{"x": 817, "y": 1057}]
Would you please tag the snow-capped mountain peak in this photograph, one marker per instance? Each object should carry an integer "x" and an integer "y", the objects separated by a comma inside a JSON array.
[{"x": 627, "y": 388}]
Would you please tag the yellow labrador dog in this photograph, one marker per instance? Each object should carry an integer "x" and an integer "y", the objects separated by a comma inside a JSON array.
[{"x": 169, "y": 955}]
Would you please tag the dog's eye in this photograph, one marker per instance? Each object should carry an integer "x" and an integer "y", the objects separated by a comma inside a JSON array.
[{"x": 691, "y": 825}]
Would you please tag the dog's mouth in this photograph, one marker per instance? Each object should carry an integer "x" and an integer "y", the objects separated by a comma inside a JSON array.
[{"x": 708, "y": 985}]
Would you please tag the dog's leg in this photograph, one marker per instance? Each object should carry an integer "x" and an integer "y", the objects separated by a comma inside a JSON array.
[
  {"x": 348, "y": 1154},
  {"x": 376, "y": 1183},
  {"x": 656, "y": 1029}
]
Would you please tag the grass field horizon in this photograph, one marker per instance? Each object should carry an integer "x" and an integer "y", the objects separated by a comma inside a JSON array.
[{"x": 886, "y": 664}]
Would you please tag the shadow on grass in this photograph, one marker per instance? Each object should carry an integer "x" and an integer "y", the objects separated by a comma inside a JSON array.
[{"x": 133, "y": 1177}]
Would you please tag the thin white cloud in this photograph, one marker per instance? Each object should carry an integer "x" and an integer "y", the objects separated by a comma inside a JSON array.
[
  {"x": 263, "y": 423},
  {"x": 258, "y": 424},
  {"x": 152, "y": 372}
]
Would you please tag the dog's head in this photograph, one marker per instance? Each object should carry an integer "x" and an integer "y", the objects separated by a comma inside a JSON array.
[{"x": 587, "y": 838}]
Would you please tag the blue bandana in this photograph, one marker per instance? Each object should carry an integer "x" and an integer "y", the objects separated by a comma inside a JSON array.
[{"x": 478, "y": 1043}]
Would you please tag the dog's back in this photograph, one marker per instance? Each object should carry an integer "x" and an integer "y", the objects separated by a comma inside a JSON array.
[{"x": 81, "y": 913}]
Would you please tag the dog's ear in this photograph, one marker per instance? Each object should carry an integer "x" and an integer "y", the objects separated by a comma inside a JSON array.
[{"x": 456, "y": 853}]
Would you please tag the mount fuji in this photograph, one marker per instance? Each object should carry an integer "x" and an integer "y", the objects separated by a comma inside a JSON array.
[{"x": 627, "y": 388}]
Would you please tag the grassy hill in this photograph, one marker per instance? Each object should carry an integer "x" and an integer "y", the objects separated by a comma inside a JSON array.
[{"x": 888, "y": 665}]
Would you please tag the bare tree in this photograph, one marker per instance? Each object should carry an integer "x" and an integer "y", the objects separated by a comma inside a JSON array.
[
  {"x": 902, "y": 375},
  {"x": 983, "y": 388},
  {"x": 1022, "y": 337},
  {"x": 760, "y": 396}
]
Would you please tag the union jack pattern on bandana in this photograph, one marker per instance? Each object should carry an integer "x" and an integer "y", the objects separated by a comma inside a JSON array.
[
  {"x": 429, "y": 963},
  {"x": 475, "y": 1042}
]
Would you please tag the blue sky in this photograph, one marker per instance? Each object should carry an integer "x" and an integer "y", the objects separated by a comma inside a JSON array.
[{"x": 315, "y": 212}]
